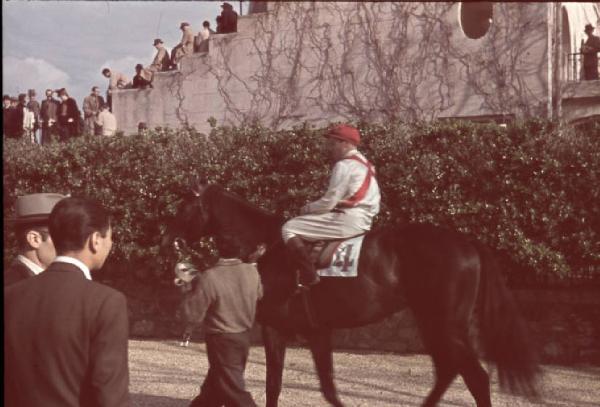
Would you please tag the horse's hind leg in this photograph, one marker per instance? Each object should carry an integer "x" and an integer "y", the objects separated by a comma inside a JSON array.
[
  {"x": 275, "y": 345},
  {"x": 320, "y": 346},
  {"x": 443, "y": 355},
  {"x": 474, "y": 375},
  {"x": 453, "y": 354}
]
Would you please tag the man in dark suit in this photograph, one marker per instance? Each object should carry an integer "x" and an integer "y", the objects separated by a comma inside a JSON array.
[
  {"x": 48, "y": 117},
  {"x": 65, "y": 336},
  {"x": 9, "y": 118},
  {"x": 36, "y": 250},
  {"x": 68, "y": 116}
]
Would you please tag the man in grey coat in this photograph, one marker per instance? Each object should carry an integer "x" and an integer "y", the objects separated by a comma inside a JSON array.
[{"x": 225, "y": 298}]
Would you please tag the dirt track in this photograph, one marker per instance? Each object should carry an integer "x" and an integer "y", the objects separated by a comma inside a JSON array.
[{"x": 164, "y": 374}]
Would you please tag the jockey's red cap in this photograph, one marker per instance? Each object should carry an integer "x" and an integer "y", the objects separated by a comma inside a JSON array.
[{"x": 346, "y": 133}]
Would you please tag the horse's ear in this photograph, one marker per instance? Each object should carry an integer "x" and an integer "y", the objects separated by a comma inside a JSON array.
[{"x": 199, "y": 184}]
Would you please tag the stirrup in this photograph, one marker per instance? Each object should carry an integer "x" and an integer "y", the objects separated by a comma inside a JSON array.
[{"x": 302, "y": 286}]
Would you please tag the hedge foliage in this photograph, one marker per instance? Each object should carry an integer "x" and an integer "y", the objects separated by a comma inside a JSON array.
[{"x": 529, "y": 190}]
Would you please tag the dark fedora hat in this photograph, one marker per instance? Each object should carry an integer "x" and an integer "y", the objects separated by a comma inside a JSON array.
[
  {"x": 34, "y": 207},
  {"x": 157, "y": 41}
]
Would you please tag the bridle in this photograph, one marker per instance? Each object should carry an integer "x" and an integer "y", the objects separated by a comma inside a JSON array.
[{"x": 185, "y": 270}]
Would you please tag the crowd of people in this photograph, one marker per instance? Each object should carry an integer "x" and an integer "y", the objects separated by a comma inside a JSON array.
[
  {"x": 59, "y": 119},
  {"x": 55, "y": 119},
  {"x": 164, "y": 61}
]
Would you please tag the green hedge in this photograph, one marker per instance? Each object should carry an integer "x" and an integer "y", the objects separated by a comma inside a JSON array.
[{"x": 529, "y": 190}]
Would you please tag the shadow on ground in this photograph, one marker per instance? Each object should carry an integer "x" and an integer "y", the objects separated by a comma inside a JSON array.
[{"x": 145, "y": 400}]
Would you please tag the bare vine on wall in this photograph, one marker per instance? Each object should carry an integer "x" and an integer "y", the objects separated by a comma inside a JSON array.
[{"x": 368, "y": 61}]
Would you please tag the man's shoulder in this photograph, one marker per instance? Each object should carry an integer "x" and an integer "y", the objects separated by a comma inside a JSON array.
[
  {"x": 239, "y": 266},
  {"x": 14, "y": 273}
]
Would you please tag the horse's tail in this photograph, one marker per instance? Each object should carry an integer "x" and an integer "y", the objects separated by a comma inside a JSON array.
[{"x": 504, "y": 332}]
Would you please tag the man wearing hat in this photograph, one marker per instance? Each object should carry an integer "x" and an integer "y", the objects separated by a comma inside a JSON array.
[
  {"x": 48, "y": 116},
  {"x": 36, "y": 250},
  {"x": 185, "y": 46},
  {"x": 160, "y": 63},
  {"x": 346, "y": 209},
  {"x": 65, "y": 335},
  {"x": 590, "y": 51}
]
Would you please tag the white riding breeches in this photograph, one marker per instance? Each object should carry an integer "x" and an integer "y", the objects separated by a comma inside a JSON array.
[{"x": 322, "y": 226}]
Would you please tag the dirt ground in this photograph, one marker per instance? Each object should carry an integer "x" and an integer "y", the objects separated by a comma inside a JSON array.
[{"x": 164, "y": 374}]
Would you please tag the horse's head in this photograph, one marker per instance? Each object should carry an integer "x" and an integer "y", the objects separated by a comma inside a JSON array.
[{"x": 190, "y": 222}]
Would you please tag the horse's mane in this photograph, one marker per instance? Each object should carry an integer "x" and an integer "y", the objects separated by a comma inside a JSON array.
[
  {"x": 245, "y": 205},
  {"x": 241, "y": 210}
]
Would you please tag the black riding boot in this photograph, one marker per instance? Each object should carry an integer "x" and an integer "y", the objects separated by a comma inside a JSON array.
[{"x": 308, "y": 274}]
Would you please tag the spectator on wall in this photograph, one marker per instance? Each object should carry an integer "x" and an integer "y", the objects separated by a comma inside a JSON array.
[
  {"x": 219, "y": 25},
  {"x": 228, "y": 19},
  {"x": 590, "y": 50},
  {"x": 116, "y": 80},
  {"x": 185, "y": 46},
  {"x": 138, "y": 80},
  {"x": 202, "y": 38},
  {"x": 160, "y": 63},
  {"x": 48, "y": 116}
]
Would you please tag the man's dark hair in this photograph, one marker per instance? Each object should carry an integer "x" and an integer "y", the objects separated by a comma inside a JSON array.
[
  {"x": 229, "y": 246},
  {"x": 22, "y": 230},
  {"x": 206, "y": 24},
  {"x": 105, "y": 71},
  {"x": 73, "y": 220},
  {"x": 94, "y": 88}
]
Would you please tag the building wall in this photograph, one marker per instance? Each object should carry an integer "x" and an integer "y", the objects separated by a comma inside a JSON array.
[{"x": 326, "y": 61}]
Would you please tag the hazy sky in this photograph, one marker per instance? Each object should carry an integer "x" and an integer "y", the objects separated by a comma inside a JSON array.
[{"x": 54, "y": 44}]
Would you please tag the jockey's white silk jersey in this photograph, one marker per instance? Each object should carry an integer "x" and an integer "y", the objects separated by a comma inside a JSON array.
[{"x": 347, "y": 178}]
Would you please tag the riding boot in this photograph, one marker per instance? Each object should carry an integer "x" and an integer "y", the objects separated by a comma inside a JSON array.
[{"x": 308, "y": 274}]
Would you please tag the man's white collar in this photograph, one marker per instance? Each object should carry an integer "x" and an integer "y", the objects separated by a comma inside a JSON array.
[
  {"x": 35, "y": 268},
  {"x": 71, "y": 260}
]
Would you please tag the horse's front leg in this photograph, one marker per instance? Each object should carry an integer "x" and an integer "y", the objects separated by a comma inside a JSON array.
[
  {"x": 275, "y": 344},
  {"x": 320, "y": 346}
]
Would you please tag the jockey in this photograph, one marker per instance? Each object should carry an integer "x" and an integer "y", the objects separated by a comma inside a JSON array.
[{"x": 347, "y": 208}]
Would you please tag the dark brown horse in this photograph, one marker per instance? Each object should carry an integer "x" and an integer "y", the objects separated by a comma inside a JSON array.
[{"x": 441, "y": 275}]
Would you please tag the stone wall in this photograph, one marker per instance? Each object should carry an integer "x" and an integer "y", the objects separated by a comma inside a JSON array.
[{"x": 324, "y": 61}]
